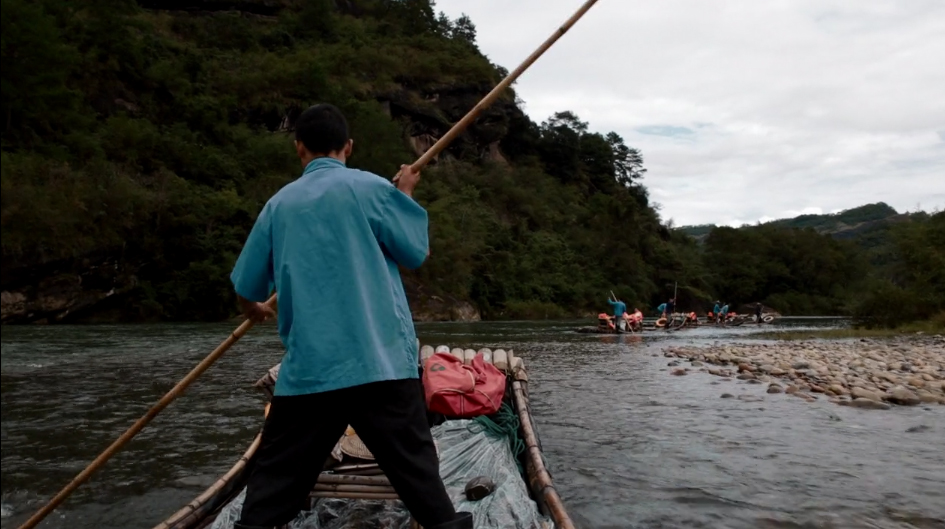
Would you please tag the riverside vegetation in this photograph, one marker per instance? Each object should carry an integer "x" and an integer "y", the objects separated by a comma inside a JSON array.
[{"x": 140, "y": 140}]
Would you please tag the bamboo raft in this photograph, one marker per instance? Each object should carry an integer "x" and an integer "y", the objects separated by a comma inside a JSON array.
[
  {"x": 365, "y": 481},
  {"x": 680, "y": 323}
]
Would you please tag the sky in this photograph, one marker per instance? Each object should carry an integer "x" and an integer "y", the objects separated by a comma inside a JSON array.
[{"x": 744, "y": 110}]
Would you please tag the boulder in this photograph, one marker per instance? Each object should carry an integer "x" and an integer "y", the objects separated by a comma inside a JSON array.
[
  {"x": 902, "y": 396},
  {"x": 862, "y": 393}
]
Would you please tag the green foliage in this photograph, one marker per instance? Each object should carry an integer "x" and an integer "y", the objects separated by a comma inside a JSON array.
[
  {"x": 153, "y": 138},
  {"x": 910, "y": 284}
]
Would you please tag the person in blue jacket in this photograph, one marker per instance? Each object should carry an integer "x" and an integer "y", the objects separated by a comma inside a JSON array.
[
  {"x": 661, "y": 309},
  {"x": 723, "y": 313},
  {"x": 620, "y": 308},
  {"x": 331, "y": 244},
  {"x": 716, "y": 310}
]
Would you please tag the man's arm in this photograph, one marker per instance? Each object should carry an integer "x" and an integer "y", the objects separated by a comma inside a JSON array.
[
  {"x": 252, "y": 275},
  {"x": 253, "y": 310},
  {"x": 403, "y": 227}
]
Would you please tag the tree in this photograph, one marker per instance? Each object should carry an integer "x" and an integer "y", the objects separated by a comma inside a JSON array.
[
  {"x": 464, "y": 30},
  {"x": 628, "y": 162}
]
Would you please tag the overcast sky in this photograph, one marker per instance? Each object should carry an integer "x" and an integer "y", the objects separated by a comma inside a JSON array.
[{"x": 745, "y": 110}]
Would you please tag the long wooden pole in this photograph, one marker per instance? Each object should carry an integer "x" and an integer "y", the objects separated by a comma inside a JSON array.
[
  {"x": 490, "y": 98},
  {"x": 177, "y": 390},
  {"x": 169, "y": 397}
]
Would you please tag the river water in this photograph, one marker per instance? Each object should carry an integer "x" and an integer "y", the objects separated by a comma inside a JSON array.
[{"x": 628, "y": 445}]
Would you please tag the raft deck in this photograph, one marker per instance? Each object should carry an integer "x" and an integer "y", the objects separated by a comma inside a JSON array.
[{"x": 358, "y": 488}]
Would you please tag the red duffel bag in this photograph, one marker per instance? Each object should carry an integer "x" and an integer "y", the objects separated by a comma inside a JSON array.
[{"x": 457, "y": 390}]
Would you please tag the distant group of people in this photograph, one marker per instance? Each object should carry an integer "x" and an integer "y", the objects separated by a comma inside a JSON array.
[{"x": 622, "y": 319}]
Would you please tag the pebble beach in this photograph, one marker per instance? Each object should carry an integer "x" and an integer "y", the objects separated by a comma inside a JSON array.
[{"x": 868, "y": 374}]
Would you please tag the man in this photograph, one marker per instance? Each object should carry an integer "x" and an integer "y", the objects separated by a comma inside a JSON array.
[
  {"x": 723, "y": 313},
  {"x": 671, "y": 309},
  {"x": 662, "y": 310},
  {"x": 716, "y": 310},
  {"x": 331, "y": 242},
  {"x": 758, "y": 309},
  {"x": 619, "y": 309}
]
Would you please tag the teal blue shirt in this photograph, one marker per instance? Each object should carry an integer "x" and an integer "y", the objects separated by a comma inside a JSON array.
[
  {"x": 619, "y": 307},
  {"x": 331, "y": 242}
]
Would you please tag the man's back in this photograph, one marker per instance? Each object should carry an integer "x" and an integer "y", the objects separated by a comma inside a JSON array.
[{"x": 337, "y": 236}]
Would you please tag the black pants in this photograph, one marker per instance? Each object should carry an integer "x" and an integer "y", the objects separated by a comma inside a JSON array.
[{"x": 300, "y": 432}]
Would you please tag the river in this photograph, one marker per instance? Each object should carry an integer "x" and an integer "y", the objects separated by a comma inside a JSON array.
[{"x": 628, "y": 445}]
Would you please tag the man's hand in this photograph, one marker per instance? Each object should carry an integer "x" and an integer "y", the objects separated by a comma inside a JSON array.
[
  {"x": 406, "y": 180},
  {"x": 257, "y": 312}
]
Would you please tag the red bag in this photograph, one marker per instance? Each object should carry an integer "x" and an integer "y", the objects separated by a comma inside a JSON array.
[{"x": 462, "y": 391}]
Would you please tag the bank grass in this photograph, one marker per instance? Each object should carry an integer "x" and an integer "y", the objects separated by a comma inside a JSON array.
[{"x": 934, "y": 325}]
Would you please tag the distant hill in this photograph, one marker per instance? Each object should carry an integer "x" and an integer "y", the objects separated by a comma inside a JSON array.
[{"x": 849, "y": 224}]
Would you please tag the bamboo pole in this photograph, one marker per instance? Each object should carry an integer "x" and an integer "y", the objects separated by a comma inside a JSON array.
[
  {"x": 538, "y": 476},
  {"x": 169, "y": 397},
  {"x": 177, "y": 390},
  {"x": 490, "y": 98},
  {"x": 214, "y": 489},
  {"x": 353, "y": 495},
  {"x": 343, "y": 479}
]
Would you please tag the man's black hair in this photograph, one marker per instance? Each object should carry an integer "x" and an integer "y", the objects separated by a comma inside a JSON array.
[{"x": 322, "y": 129}]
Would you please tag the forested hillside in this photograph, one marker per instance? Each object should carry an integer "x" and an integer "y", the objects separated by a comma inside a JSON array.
[
  {"x": 139, "y": 144},
  {"x": 141, "y": 139}
]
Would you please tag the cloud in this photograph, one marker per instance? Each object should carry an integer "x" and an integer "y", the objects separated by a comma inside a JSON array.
[{"x": 745, "y": 109}]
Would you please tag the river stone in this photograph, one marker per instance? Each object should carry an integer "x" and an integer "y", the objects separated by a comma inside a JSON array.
[
  {"x": 774, "y": 388},
  {"x": 727, "y": 396},
  {"x": 917, "y": 382},
  {"x": 745, "y": 376},
  {"x": 753, "y": 381},
  {"x": 903, "y": 397},
  {"x": 869, "y": 404},
  {"x": 696, "y": 363},
  {"x": 791, "y": 390},
  {"x": 800, "y": 365},
  {"x": 674, "y": 363},
  {"x": 862, "y": 393},
  {"x": 680, "y": 372},
  {"x": 838, "y": 389}
]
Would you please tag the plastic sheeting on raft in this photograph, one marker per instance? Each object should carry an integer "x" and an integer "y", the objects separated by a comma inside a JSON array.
[{"x": 466, "y": 452}]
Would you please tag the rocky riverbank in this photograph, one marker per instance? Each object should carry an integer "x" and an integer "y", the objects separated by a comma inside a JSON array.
[{"x": 869, "y": 374}]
